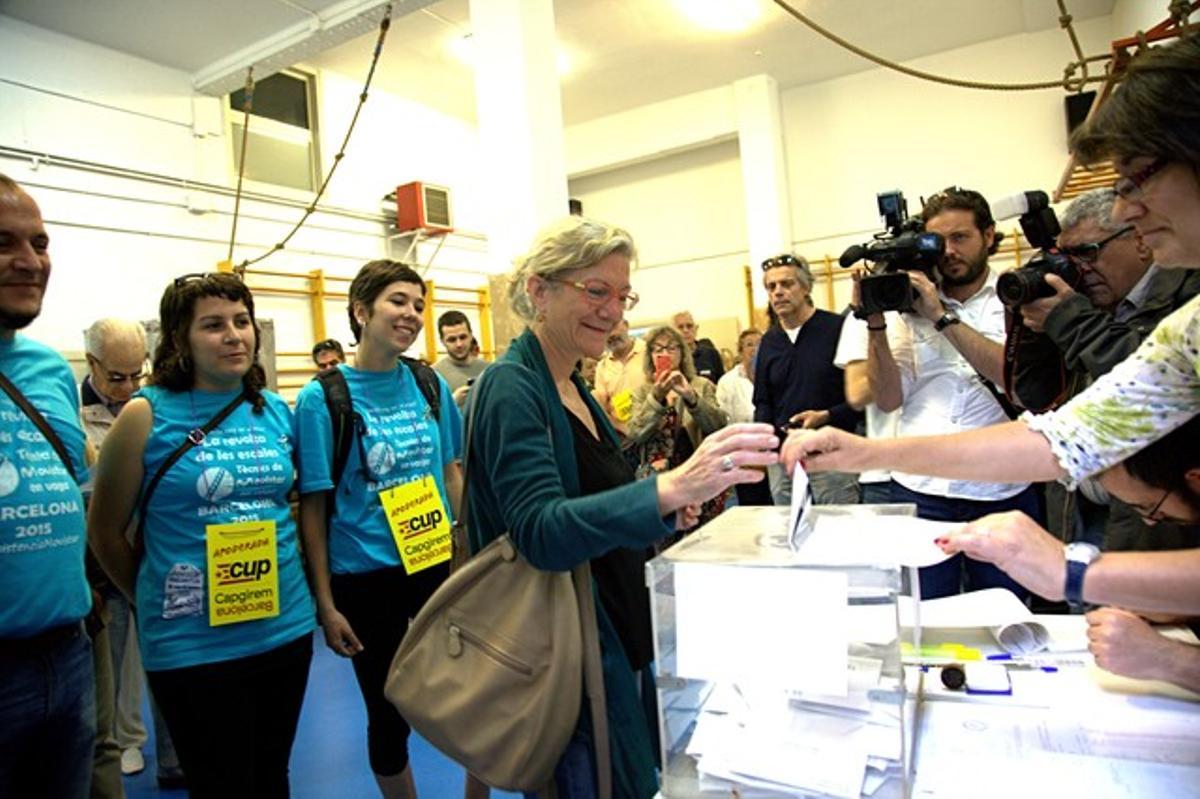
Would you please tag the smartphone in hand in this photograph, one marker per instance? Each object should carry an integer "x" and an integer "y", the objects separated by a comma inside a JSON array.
[{"x": 662, "y": 364}]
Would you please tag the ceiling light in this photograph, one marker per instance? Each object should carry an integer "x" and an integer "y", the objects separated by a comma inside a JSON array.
[
  {"x": 729, "y": 16},
  {"x": 463, "y": 50}
]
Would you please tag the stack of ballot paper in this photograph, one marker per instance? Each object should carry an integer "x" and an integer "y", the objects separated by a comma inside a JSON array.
[
  {"x": 768, "y": 743},
  {"x": 996, "y": 609}
]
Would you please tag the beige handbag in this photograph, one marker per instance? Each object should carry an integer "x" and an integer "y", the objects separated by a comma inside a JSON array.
[{"x": 489, "y": 671}]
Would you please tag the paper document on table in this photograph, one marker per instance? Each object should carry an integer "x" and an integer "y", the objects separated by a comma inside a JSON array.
[
  {"x": 997, "y": 609},
  {"x": 800, "y": 518},
  {"x": 858, "y": 538},
  {"x": 766, "y": 625}
]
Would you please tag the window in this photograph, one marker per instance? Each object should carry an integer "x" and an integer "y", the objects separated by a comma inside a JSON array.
[{"x": 282, "y": 143}]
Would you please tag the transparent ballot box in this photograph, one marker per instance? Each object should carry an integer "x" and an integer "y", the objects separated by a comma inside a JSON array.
[{"x": 779, "y": 656}]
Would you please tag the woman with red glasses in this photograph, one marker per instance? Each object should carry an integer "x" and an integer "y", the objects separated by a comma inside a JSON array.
[
  {"x": 546, "y": 467},
  {"x": 1150, "y": 127}
]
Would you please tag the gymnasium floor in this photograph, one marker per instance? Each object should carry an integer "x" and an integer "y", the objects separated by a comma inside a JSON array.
[{"x": 329, "y": 760}]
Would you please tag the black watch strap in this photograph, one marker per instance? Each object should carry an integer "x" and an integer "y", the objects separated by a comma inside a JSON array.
[{"x": 947, "y": 319}]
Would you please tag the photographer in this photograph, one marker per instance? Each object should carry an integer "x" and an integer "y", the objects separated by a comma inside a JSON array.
[
  {"x": 931, "y": 364},
  {"x": 1122, "y": 297}
]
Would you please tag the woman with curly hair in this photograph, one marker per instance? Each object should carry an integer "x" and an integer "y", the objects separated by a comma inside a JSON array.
[{"x": 203, "y": 455}]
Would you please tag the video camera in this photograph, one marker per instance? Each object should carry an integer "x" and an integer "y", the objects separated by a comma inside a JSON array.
[
  {"x": 1040, "y": 226},
  {"x": 904, "y": 246}
]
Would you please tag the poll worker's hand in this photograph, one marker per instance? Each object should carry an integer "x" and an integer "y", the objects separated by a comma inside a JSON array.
[
  {"x": 928, "y": 304},
  {"x": 827, "y": 450},
  {"x": 723, "y": 459},
  {"x": 1019, "y": 546},
  {"x": 1034, "y": 314},
  {"x": 810, "y": 420},
  {"x": 1126, "y": 644},
  {"x": 339, "y": 636}
]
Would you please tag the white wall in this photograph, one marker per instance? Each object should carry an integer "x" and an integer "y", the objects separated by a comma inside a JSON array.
[{"x": 119, "y": 236}]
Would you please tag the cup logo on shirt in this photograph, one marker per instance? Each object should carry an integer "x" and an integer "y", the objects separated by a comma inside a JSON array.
[
  {"x": 10, "y": 478},
  {"x": 380, "y": 458},
  {"x": 214, "y": 484}
]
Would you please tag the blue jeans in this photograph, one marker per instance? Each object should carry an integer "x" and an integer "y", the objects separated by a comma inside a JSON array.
[
  {"x": 575, "y": 774},
  {"x": 47, "y": 719},
  {"x": 828, "y": 488},
  {"x": 947, "y": 578},
  {"x": 876, "y": 493}
]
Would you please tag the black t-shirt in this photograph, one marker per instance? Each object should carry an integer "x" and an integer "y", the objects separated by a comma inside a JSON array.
[{"x": 620, "y": 573}]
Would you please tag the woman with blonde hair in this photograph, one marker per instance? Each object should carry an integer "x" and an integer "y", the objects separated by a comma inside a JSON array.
[{"x": 546, "y": 467}]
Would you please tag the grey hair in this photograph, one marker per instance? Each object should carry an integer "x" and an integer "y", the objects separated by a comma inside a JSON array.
[
  {"x": 111, "y": 331},
  {"x": 575, "y": 242},
  {"x": 1096, "y": 206}
]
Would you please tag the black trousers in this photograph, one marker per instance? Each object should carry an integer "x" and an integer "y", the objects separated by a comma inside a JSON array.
[
  {"x": 233, "y": 722},
  {"x": 378, "y": 605}
]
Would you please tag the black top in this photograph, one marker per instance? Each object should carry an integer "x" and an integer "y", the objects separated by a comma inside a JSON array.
[
  {"x": 790, "y": 377},
  {"x": 619, "y": 573},
  {"x": 707, "y": 360}
]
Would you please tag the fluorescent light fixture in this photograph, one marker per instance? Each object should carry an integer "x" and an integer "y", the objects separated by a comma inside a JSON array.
[
  {"x": 463, "y": 49},
  {"x": 727, "y": 16}
]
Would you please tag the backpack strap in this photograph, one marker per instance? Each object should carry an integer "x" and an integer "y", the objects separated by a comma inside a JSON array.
[
  {"x": 344, "y": 423},
  {"x": 427, "y": 381},
  {"x": 40, "y": 423}
]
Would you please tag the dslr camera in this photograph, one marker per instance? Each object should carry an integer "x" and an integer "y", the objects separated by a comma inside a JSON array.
[
  {"x": 904, "y": 246},
  {"x": 1040, "y": 226}
]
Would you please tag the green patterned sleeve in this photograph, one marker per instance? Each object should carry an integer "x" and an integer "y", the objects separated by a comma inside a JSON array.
[{"x": 1142, "y": 399}]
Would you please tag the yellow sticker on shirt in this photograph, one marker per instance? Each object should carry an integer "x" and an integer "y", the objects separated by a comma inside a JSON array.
[
  {"x": 243, "y": 573},
  {"x": 622, "y": 405},
  {"x": 419, "y": 523}
]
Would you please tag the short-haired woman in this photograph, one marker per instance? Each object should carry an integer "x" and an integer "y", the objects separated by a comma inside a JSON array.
[
  {"x": 366, "y": 590},
  {"x": 546, "y": 467},
  {"x": 673, "y": 410},
  {"x": 224, "y": 615}
]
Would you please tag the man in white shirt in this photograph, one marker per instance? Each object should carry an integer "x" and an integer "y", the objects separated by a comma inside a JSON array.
[
  {"x": 935, "y": 365},
  {"x": 851, "y": 356},
  {"x": 619, "y": 372}
]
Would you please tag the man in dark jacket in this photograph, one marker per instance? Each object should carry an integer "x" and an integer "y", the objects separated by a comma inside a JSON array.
[
  {"x": 1122, "y": 296},
  {"x": 795, "y": 381}
]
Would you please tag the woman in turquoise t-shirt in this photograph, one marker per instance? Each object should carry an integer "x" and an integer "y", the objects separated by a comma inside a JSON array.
[
  {"x": 225, "y": 617},
  {"x": 370, "y": 576}
]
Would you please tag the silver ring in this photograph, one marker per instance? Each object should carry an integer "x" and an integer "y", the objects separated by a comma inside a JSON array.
[{"x": 727, "y": 464}]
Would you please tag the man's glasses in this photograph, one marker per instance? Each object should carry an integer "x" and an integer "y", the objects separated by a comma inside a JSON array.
[
  {"x": 1155, "y": 513},
  {"x": 1130, "y": 188},
  {"x": 783, "y": 260},
  {"x": 117, "y": 377},
  {"x": 600, "y": 293},
  {"x": 1089, "y": 254}
]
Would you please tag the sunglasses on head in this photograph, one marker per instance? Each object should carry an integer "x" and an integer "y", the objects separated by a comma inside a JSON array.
[{"x": 783, "y": 260}]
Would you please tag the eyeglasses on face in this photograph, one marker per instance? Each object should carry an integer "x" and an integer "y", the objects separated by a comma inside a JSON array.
[
  {"x": 1129, "y": 188},
  {"x": 117, "y": 377},
  {"x": 1089, "y": 254},
  {"x": 1155, "y": 514},
  {"x": 600, "y": 293},
  {"x": 659, "y": 349}
]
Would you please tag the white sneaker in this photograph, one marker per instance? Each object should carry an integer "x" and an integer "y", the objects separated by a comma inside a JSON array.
[{"x": 132, "y": 761}]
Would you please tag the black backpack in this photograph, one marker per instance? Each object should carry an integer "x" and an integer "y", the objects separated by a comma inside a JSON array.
[{"x": 348, "y": 424}]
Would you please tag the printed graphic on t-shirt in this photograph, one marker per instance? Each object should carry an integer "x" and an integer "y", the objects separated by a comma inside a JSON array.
[
  {"x": 399, "y": 436},
  {"x": 243, "y": 471},
  {"x": 42, "y": 507}
]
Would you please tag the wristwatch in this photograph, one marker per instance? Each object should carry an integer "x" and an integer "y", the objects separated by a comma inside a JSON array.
[
  {"x": 948, "y": 318},
  {"x": 1080, "y": 555}
]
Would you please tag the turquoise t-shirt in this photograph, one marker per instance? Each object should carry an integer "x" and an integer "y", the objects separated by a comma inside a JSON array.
[
  {"x": 42, "y": 529},
  {"x": 242, "y": 471},
  {"x": 402, "y": 442}
]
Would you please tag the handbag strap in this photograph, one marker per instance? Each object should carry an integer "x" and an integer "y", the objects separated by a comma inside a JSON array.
[
  {"x": 39, "y": 422},
  {"x": 593, "y": 670},
  {"x": 194, "y": 438}
]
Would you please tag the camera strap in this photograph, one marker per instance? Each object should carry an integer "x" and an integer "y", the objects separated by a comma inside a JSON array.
[{"x": 1035, "y": 372}]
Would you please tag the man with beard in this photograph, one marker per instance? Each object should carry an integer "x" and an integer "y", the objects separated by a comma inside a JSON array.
[
  {"x": 795, "y": 381},
  {"x": 618, "y": 374},
  {"x": 939, "y": 365},
  {"x": 47, "y": 694}
]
